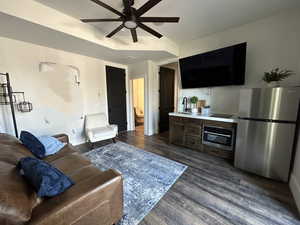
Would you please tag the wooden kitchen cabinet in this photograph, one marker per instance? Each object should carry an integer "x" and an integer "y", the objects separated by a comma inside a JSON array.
[
  {"x": 187, "y": 132},
  {"x": 176, "y": 133}
]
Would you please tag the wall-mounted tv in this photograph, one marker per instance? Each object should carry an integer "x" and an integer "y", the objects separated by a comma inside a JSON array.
[{"x": 222, "y": 67}]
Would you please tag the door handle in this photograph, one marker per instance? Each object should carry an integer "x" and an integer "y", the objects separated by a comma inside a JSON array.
[{"x": 217, "y": 134}]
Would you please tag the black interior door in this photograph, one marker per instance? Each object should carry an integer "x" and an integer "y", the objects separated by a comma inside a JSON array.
[
  {"x": 116, "y": 97},
  {"x": 166, "y": 97}
]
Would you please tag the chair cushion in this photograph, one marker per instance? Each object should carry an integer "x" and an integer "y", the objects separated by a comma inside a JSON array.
[
  {"x": 47, "y": 180},
  {"x": 102, "y": 133},
  {"x": 17, "y": 197},
  {"x": 33, "y": 144},
  {"x": 96, "y": 120}
]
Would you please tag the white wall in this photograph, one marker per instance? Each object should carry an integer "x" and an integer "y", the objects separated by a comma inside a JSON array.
[
  {"x": 272, "y": 42},
  {"x": 58, "y": 107}
]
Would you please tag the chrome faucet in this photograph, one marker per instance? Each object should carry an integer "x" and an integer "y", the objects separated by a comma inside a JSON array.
[{"x": 185, "y": 103}]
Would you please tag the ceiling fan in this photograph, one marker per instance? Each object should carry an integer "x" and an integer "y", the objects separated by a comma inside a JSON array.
[{"x": 132, "y": 18}]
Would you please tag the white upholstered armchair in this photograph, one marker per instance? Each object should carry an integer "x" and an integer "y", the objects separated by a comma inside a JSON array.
[{"x": 97, "y": 128}]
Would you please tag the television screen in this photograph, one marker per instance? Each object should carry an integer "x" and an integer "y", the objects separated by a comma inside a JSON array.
[{"x": 221, "y": 67}]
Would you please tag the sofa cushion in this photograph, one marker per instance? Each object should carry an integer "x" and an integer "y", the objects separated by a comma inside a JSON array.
[
  {"x": 70, "y": 163},
  {"x": 17, "y": 198},
  {"x": 66, "y": 150},
  {"x": 47, "y": 180},
  {"x": 12, "y": 153},
  {"x": 33, "y": 144},
  {"x": 12, "y": 149},
  {"x": 51, "y": 144},
  {"x": 84, "y": 173}
]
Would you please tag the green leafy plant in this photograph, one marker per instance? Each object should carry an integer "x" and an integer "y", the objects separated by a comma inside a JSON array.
[
  {"x": 277, "y": 75},
  {"x": 194, "y": 100}
]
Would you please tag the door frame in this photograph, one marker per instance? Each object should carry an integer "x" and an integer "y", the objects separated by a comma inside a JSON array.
[
  {"x": 177, "y": 88},
  {"x": 159, "y": 95},
  {"x": 146, "y": 103}
]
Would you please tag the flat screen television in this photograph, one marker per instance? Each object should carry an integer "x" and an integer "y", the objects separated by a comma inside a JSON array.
[{"x": 222, "y": 67}]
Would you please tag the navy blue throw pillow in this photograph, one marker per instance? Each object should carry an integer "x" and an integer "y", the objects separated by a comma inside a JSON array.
[
  {"x": 33, "y": 144},
  {"x": 46, "y": 179}
]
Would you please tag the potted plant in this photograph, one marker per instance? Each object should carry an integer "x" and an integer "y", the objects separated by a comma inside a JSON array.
[
  {"x": 273, "y": 77},
  {"x": 194, "y": 101}
]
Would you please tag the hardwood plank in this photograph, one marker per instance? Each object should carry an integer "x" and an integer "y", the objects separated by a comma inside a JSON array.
[{"x": 211, "y": 191}]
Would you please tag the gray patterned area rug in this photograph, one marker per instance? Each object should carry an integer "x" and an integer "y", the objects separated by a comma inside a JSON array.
[{"x": 147, "y": 177}]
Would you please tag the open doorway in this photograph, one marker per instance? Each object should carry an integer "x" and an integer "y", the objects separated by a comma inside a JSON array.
[{"x": 138, "y": 91}]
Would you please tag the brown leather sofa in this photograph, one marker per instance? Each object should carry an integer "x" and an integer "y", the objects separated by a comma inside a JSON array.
[{"x": 95, "y": 199}]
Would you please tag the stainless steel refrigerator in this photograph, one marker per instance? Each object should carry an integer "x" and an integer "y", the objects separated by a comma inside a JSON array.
[{"x": 266, "y": 131}]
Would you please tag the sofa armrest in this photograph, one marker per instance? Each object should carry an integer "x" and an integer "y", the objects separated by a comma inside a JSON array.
[
  {"x": 63, "y": 138},
  {"x": 102, "y": 193}
]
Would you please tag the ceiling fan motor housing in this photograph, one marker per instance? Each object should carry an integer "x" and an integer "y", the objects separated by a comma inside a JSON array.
[{"x": 130, "y": 21}]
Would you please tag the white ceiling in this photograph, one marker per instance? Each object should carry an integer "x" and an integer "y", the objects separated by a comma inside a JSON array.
[
  {"x": 15, "y": 28},
  {"x": 198, "y": 17}
]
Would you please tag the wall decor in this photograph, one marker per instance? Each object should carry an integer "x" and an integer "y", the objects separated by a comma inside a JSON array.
[
  {"x": 9, "y": 97},
  {"x": 274, "y": 77},
  {"x": 24, "y": 106},
  {"x": 9, "y": 94}
]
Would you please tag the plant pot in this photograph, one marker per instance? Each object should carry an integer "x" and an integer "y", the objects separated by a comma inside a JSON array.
[{"x": 274, "y": 84}]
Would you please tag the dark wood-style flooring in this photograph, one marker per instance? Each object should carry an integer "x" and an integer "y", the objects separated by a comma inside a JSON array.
[{"x": 211, "y": 191}]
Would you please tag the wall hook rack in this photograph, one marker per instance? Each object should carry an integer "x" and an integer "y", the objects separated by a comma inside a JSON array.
[{"x": 10, "y": 101}]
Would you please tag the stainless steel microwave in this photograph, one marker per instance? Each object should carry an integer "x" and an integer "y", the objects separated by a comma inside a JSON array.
[{"x": 219, "y": 137}]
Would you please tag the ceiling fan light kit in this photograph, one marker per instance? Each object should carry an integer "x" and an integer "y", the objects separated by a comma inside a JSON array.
[
  {"x": 132, "y": 19},
  {"x": 130, "y": 24}
]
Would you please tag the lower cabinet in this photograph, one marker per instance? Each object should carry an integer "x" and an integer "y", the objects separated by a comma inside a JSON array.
[
  {"x": 193, "y": 142},
  {"x": 176, "y": 133},
  {"x": 187, "y": 132}
]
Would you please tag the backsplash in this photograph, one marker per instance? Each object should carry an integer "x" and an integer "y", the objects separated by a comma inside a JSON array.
[{"x": 221, "y": 99}]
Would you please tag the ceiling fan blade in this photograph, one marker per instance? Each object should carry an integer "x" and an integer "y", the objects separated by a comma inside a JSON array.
[
  {"x": 101, "y": 20},
  {"x": 126, "y": 5},
  {"x": 108, "y": 7},
  {"x": 150, "y": 30},
  {"x": 146, "y": 7},
  {"x": 115, "y": 31},
  {"x": 134, "y": 35},
  {"x": 159, "y": 19}
]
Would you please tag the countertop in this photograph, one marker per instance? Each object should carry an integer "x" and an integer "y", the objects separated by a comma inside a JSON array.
[{"x": 216, "y": 117}]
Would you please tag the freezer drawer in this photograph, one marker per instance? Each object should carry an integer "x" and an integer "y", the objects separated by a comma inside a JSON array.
[{"x": 265, "y": 148}]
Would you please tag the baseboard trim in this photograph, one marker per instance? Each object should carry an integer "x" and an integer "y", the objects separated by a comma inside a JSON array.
[{"x": 295, "y": 188}]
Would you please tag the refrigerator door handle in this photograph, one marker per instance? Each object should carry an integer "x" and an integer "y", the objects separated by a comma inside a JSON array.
[{"x": 267, "y": 120}]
